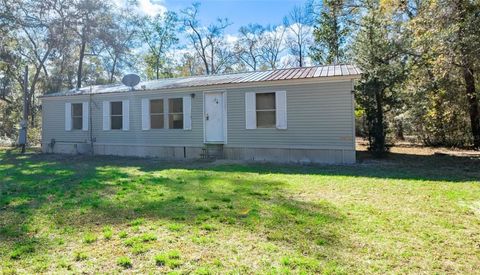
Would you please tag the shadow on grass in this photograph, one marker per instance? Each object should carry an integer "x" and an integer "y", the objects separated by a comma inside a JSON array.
[
  {"x": 72, "y": 194},
  {"x": 395, "y": 166}
]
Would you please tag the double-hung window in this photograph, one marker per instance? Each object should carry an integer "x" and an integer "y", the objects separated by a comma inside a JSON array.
[
  {"x": 77, "y": 116},
  {"x": 175, "y": 113},
  {"x": 167, "y": 113},
  {"x": 265, "y": 110},
  {"x": 116, "y": 115},
  {"x": 156, "y": 114}
]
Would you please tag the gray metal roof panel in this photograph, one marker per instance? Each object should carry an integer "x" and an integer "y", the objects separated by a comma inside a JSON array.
[{"x": 210, "y": 80}]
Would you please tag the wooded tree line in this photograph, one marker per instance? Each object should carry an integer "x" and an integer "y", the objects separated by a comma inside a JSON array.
[{"x": 420, "y": 58}]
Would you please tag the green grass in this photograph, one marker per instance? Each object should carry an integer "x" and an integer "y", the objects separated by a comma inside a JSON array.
[
  {"x": 80, "y": 214},
  {"x": 124, "y": 262}
]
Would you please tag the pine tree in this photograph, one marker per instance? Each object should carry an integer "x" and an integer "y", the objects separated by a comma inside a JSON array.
[
  {"x": 379, "y": 55},
  {"x": 331, "y": 31}
]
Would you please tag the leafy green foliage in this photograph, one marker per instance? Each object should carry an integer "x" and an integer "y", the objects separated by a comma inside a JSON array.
[
  {"x": 331, "y": 32},
  {"x": 379, "y": 54}
]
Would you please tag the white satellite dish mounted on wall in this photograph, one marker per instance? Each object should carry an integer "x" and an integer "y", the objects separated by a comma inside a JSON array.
[{"x": 131, "y": 80}]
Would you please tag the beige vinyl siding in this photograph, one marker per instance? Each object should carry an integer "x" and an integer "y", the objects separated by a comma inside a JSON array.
[{"x": 319, "y": 115}]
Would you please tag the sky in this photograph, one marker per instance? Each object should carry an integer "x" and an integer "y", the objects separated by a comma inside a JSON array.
[{"x": 239, "y": 12}]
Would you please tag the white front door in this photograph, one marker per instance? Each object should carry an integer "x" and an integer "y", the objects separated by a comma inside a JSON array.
[{"x": 214, "y": 117}]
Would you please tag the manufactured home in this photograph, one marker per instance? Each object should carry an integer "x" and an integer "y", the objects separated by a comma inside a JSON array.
[{"x": 303, "y": 115}]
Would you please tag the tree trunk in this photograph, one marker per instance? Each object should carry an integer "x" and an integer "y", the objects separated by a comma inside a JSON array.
[
  {"x": 300, "y": 55},
  {"x": 399, "y": 130},
  {"x": 474, "y": 110},
  {"x": 379, "y": 131},
  {"x": 80, "y": 63},
  {"x": 32, "y": 111},
  {"x": 112, "y": 72},
  {"x": 157, "y": 69}
]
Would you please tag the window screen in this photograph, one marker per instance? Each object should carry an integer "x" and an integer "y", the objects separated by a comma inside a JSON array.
[
  {"x": 116, "y": 115},
  {"x": 156, "y": 114},
  {"x": 265, "y": 104},
  {"x": 77, "y": 116},
  {"x": 175, "y": 113}
]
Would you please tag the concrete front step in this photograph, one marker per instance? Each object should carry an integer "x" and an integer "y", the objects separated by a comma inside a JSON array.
[{"x": 212, "y": 151}]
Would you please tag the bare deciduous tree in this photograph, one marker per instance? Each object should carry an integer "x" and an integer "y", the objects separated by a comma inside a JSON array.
[
  {"x": 248, "y": 48},
  {"x": 208, "y": 41},
  {"x": 159, "y": 33},
  {"x": 299, "y": 37},
  {"x": 272, "y": 45}
]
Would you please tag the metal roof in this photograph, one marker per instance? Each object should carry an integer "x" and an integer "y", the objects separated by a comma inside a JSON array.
[{"x": 211, "y": 80}]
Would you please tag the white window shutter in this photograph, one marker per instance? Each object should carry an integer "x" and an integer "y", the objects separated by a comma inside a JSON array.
[
  {"x": 106, "y": 115},
  {"x": 68, "y": 116},
  {"x": 281, "y": 109},
  {"x": 145, "y": 114},
  {"x": 250, "y": 111},
  {"x": 187, "y": 113},
  {"x": 125, "y": 115},
  {"x": 85, "y": 114}
]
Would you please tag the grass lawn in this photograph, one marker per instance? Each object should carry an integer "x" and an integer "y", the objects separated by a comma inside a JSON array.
[{"x": 74, "y": 214}]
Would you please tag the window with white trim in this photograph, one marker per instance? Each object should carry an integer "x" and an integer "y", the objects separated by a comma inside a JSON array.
[
  {"x": 265, "y": 110},
  {"x": 77, "y": 116},
  {"x": 175, "y": 113},
  {"x": 156, "y": 114},
  {"x": 116, "y": 115}
]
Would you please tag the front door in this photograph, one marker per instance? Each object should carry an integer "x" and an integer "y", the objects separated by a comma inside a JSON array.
[{"x": 214, "y": 117}]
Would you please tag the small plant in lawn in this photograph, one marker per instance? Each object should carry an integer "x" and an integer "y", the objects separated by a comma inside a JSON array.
[
  {"x": 22, "y": 249},
  {"x": 217, "y": 263},
  {"x": 226, "y": 199},
  {"x": 107, "y": 232},
  {"x": 174, "y": 254},
  {"x": 148, "y": 237},
  {"x": 302, "y": 263},
  {"x": 137, "y": 222},
  {"x": 139, "y": 248},
  {"x": 321, "y": 242},
  {"x": 204, "y": 209},
  {"x": 173, "y": 263},
  {"x": 208, "y": 227},
  {"x": 130, "y": 241},
  {"x": 80, "y": 256},
  {"x": 203, "y": 271},
  {"x": 122, "y": 234},
  {"x": 63, "y": 263},
  {"x": 170, "y": 259},
  {"x": 175, "y": 227},
  {"x": 124, "y": 262},
  {"x": 202, "y": 240},
  {"x": 180, "y": 198},
  {"x": 160, "y": 259},
  {"x": 136, "y": 228},
  {"x": 89, "y": 238}
]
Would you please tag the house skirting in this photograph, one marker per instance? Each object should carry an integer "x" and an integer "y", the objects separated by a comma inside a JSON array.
[
  {"x": 279, "y": 155},
  {"x": 290, "y": 155}
]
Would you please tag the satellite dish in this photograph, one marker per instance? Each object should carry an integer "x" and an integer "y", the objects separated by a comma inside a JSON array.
[{"x": 131, "y": 80}]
